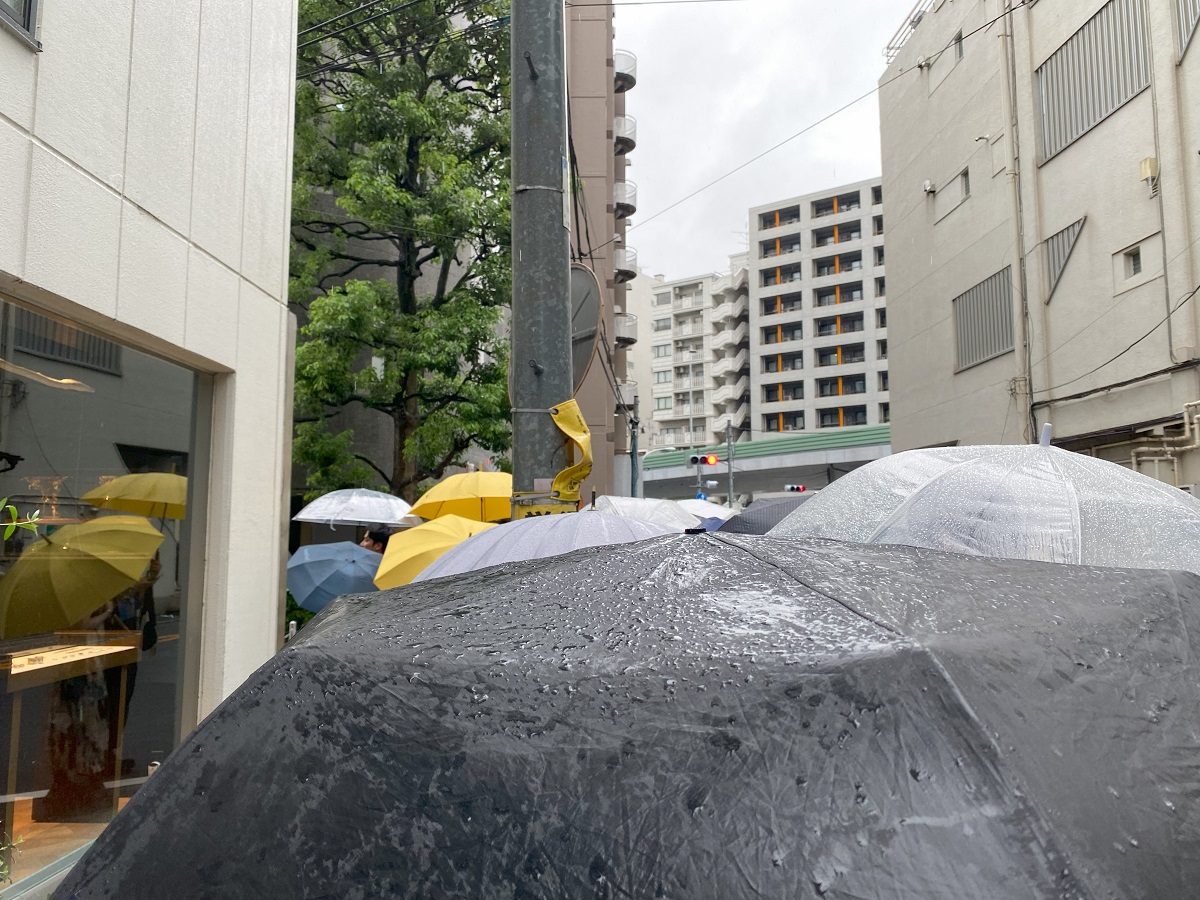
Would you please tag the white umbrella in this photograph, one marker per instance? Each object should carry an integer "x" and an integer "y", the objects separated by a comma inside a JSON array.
[
  {"x": 541, "y": 536},
  {"x": 1020, "y": 502},
  {"x": 706, "y": 509},
  {"x": 660, "y": 512},
  {"x": 355, "y": 506}
]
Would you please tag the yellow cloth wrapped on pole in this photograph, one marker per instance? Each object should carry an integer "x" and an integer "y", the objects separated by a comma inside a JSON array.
[{"x": 569, "y": 419}]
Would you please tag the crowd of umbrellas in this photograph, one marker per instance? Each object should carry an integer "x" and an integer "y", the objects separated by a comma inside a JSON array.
[{"x": 963, "y": 672}]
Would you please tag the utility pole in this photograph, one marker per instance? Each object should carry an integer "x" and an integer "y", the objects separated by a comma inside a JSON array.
[
  {"x": 541, "y": 316},
  {"x": 729, "y": 457},
  {"x": 634, "y": 464}
]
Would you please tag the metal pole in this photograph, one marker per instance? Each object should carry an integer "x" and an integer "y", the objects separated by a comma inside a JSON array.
[
  {"x": 729, "y": 457},
  {"x": 541, "y": 319},
  {"x": 633, "y": 450}
]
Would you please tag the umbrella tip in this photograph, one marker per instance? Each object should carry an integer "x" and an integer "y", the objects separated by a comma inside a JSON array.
[{"x": 1047, "y": 430}]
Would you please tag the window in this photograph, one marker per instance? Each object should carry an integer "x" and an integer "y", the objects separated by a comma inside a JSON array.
[
  {"x": 842, "y": 416},
  {"x": 770, "y": 335},
  {"x": 22, "y": 15},
  {"x": 778, "y": 217},
  {"x": 662, "y": 377},
  {"x": 793, "y": 332},
  {"x": 662, "y": 299},
  {"x": 881, "y": 349},
  {"x": 48, "y": 339},
  {"x": 793, "y": 421},
  {"x": 787, "y": 362},
  {"x": 877, "y": 194},
  {"x": 772, "y": 423},
  {"x": 662, "y": 403},
  {"x": 964, "y": 182},
  {"x": 983, "y": 320},
  {"x": 881, "y": 318},
  {"x": 879, "y": 256},
  {"x": 777, "y": 393},
  {"x": 661, "y": 351},
  {"x": 1133, "y": 262},
  {"x": 877, "y": 225},
  {"x": 885, "y": 413},
  {"x": 781, "y": 304},
  {"x": 839, "y": 356},
  {"x": 1100, "y": 68},
  {"x": 880, "y": 287},
  {"x": 883, "y": 380},
  {"x": 958, "y": 45},
  {"x": 661, "y": 325}
]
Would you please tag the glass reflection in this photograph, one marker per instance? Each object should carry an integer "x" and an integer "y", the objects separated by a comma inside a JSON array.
[{"x": 96, "y": 437}]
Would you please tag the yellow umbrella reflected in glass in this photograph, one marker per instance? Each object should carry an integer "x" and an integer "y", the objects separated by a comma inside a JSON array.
[
  {"x": 409, "y": 552},
  {"x": 63, "y": 576},
  {"x": 482, "y": 496},
  {"x": 156, "y": 495}
]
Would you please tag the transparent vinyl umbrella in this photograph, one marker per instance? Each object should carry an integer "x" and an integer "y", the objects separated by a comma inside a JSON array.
[
  {"x": 355, "y": 506},
  {"x": 541, "y": 536},
  {"x": 648, "y": 509},
  {"x": 1020, "y": 502}
]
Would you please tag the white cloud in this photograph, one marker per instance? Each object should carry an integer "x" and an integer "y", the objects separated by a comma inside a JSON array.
[{"x": 719, "y": 83}]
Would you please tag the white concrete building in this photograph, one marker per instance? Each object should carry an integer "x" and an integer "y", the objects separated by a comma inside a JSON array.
[
  {"x": 696, "y": 330},
  {"x": 145, "y": 171},
  {"x": 818, "y": 322},
  {"x": 1040, "y": 170}
]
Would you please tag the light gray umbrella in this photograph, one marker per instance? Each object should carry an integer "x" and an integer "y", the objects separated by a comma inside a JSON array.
[
  {"x": 649, "y": 509},
  {"x": 541, "y": 536},
  {"x": 356, "y": 506},
  {"x": 1020, "y": 502}
]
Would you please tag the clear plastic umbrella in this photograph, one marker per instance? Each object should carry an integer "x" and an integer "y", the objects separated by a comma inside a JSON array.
[
  {"x": 1021, "y": 502},
  {"x": 660, "y": 512},
  {"x": 356, "y": 506},
  {"x": 541, "y": 536}
]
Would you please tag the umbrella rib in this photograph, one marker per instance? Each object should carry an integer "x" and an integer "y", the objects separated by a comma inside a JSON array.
[{"x": 816, "y": 590}]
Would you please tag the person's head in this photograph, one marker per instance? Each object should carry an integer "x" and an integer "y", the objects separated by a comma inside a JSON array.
[{"x": 376, "y": 538}]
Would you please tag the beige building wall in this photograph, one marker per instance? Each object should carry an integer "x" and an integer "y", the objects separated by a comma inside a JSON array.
[
  {"x": 145, "y": 166},
  {"x": 1100, "y": 263}
]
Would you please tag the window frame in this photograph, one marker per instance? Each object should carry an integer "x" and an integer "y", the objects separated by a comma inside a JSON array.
[{"x": 24, "y": 30}]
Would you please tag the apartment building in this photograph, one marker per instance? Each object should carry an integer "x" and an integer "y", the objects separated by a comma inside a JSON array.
[
  {"x": 1040, "y": 169},
  {"x": 695, "y": 330},
  {"x": 602, "y": 137},
  {"x": 145, "y": 166},
  {"x": 818, "y": 342}
]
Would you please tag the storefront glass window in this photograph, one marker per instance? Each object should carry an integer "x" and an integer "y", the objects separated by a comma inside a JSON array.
[{"x": 97, "y": 439}]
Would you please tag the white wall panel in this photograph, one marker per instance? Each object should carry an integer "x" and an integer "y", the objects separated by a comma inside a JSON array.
[
  {"x": 15, "y": 151},
  {"x": 162, "y": 110},
  {"x": 212, "y": 305},
  {"x": 152, "y": 280}
]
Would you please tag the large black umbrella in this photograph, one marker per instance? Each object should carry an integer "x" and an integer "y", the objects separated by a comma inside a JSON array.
[
  {"x": 762, "y": 515},
  {"x": 684, "y": 718}
]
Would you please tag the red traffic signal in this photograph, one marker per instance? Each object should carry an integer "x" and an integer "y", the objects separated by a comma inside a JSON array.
[
  {"x": 793, "y": 487},
  {"x": 706, "y": 459}
]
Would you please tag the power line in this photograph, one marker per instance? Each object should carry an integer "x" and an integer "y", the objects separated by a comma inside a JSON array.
[
  {"x": 369, "y": 19},
  {"x": 351, "y": 12},
  {"x": 818, "y": 122}
]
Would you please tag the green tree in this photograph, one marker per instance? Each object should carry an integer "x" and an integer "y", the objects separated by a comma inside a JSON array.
[{"x": 400, "y": 224}]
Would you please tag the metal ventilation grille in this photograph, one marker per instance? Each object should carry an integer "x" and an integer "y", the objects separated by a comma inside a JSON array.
[
  {"x": 983, "y": 320},
  {"x": 1058, "y": 249},
  {"x": 1187, "y": 13},
  {"x": 1098, "y": 70}
]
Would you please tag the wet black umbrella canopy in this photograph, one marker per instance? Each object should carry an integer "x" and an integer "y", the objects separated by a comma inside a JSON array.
[{"x": 685, "y": 718}]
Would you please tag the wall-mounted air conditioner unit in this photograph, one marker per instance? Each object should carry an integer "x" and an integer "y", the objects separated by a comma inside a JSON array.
[{"x": 928, "y": 187}]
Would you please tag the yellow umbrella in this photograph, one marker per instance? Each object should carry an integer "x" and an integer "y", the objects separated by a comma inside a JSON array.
[
  {"x": 409, "y": 552},
  {"x": 158, "y": 495},
  {"x": 64, "y": 576},
  {"x": 482, "y": 496}
]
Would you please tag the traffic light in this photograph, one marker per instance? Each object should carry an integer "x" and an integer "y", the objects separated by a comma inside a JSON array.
[
  {"x": 706, "y": 459},
  {"x": 793, "y": 487}
]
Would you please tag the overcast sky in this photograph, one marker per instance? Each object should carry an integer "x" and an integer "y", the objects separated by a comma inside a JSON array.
[{"x": 720, "y": 82}]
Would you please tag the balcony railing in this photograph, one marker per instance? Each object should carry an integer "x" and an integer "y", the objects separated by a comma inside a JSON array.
[
  {"x": 626, "y": 393},
  {"x": 625, "y": 329},
  {"x": 624, "y": 199},
  {"x": 692, "y": 301},
  {"x": 624, "y": 70},
  {"x": 625, "y": 264},
  {"x": 624, "y": 134}
]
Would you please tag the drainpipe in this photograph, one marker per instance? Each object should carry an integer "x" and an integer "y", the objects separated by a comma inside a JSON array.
[
  {"x": 1022, "y": 383},
  {"x": 1189, "y": 440}
]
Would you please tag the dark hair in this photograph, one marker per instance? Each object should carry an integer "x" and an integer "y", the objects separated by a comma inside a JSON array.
[{"x": 379, "y": 534}]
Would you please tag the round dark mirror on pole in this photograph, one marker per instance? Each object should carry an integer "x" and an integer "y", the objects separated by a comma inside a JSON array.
[{"x": 586, "y": 309}]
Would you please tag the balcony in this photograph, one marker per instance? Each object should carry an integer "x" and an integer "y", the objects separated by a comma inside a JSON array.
[
  {"x": 681, "y": 331},
  {"x": 723, "y": 367},
  {"x": 624, "y": 70},
  {"x": 733, "y": 391},
  {"x": 691, "y": 301},
  {"x": 624, "y": 199},
  {"x": 689, "y": 357},
  {"x": 627, "y": 393},
  {"x": 730, "y": 309},
  {"x": 624, "y": 134},
  {"x": 624, "y": 265},
  {"x": 730, "y": 337},
  {"x": 625, "y": 329}
]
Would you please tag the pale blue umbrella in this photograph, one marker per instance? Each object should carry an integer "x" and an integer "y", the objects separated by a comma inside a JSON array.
[{"x": 319, "y": 572}]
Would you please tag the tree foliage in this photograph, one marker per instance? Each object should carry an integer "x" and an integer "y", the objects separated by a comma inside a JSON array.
[{"x": 400, "y": 226}]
